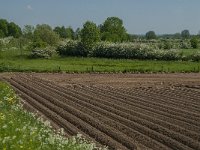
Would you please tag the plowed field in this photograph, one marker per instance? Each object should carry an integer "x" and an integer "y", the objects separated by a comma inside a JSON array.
[{"x": 159, "y": 112}]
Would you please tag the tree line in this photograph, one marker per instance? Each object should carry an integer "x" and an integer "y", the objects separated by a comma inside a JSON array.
[
  {"x": 111, "y": 30},
  {"x": 9, "y": 29}
]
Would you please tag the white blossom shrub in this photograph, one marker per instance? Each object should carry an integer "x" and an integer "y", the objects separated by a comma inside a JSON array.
[{"x": 42, "y": 52}]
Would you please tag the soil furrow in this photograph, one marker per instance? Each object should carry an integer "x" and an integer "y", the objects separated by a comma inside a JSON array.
[
  {"x": 163, "y": 99},
  {"x": 101, "y": 103},
  {"x": 136, "y": 119},
  {"x": 86, "y": 119},
  {"x": 132, "y": 108},
  {"x": 84, "y": 127},
  {"x": 143, "y": 106},
  {"x": 194, "y": 118}
]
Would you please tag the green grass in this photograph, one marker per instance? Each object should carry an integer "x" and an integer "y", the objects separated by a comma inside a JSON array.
[
  {"x": 17, "y": 61},
  {"x": 22, "y": 130},
  {"x": 187, "y": 52}
]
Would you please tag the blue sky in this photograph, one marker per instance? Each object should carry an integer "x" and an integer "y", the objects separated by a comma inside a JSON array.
[{"x": 139, "y": 16}]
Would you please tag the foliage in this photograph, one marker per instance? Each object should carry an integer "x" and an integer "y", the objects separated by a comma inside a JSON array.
[
  {"x": 64, "y": 32},
  {"x": 46, "y": 52},
  {"x": 9, "y": 29},
  {"x": 77, "y": 34},
  {"x": 71, "y": 48},
  {"x": 177, "y": 36},
  {"x": 112, "y": 30},
  {"x": 195, "y": 57},
  {"x": 185, "y": 34},
  {"x": 69, "y": 33},
  {"x": 194, "y": 42},
  {"x": 60, "y": 31},
  {"x": 44, "y": 33},
  {"x": 38, "y": 44},
  {"x": 150, "y": 35},
  {"x": 28, "y": 31},
  {"x": 8, "y": 43},
  {"x": 14, "y": 30},
  {"x": 3, "y": 28},
  {"x": 90, "y": 35},
  {"x": 22, "y": 130},
  {"x": 184, "y": 44},
  {"x": 165, "y": 50},
  {"x": 167, "y": 45},
  {"x": 133, "y": 51}
]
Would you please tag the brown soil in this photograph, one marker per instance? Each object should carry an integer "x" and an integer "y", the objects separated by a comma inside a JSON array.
[{"x": 122, "y": 111}]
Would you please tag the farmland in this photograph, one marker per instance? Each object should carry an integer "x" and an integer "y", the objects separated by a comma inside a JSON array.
[{"x": 122, "y": 111}]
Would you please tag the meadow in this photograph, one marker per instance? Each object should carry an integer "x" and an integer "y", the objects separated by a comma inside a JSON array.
[{"x": 16, "y": 60}]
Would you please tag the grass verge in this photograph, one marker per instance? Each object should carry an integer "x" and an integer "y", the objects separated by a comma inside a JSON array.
[
  {"x": 83, "y": 65},
  {"x": 20, "y": 129},
  {"x": 14, "y": 61}
]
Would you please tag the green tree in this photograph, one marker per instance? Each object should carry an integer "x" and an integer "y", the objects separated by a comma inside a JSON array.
[
  {"x": 177, "y": 36},
  {"x": 90, "y": 35},
  {"x": 185, "y": 34},
  {"x": 198, "y": 34},
  {"x": 1, "y": 34},
  {"x": 194, "y": 42},
  {"x": 3, "y": 28},
  {"x": 61, "y": 31},
  {"x": 44, "y": 34},
  {"x": 28, "y": 31},
  {"x": 14, "y": 30},
  {"x": 77, "y": 34},
  {"x": 113, "y": 30},
  {"x": 69, "y": 33},
  {"x": 150, "y": 35}
]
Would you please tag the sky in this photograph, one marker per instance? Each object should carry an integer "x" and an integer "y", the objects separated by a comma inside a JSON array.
[{"x": 139, "y": 16}]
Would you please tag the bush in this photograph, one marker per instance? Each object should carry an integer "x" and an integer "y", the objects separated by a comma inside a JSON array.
[
  {"x": 133, "y": 51},
  {"x": 194, "y": 42},
  {"x": 167, "y": 45},
  {"x": 195, "y": 57},
  {"x": 72, "y": 48},
  {"x": 185, "y": 44},
  {"x": 38, "y": 44},
  {"x": 42, "y": 52},
  {"x": 126, "y": 51}
]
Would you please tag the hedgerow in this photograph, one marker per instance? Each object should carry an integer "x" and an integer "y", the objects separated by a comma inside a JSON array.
[{"x": 135, "y": 50}]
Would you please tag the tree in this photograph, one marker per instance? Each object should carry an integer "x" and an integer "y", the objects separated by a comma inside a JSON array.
[
  {"x": 28, "y": 31},
  {"x": 113, "y": 30},
  {"x": 44, "y": 33},
  {"x": 177, "y": 36},
  {"x": 77, "y": 34},
  {"x": 3, "y": 28},
  {"x": 150, "y": 35},
  {"x": 69, "y": 33},
  {"x": 61, "y": 31},
  {"x": 14, "y": 30},
  {"x": 64, "y": 32},
  {"x": 185, "y": 34},
  {"x": 198, "y": 34},
  {"x": 90, "y": 35}
]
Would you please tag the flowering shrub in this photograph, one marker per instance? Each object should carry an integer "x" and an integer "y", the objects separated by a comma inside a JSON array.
[
  {"x": 196, "y": 57},
  {"x": 133, "y": 51},
  {"x": 42, "y": 52},
  {"x": 185, "y": 44},
  {"x": 155, "y": 50},
  {"x": 71, "y": 48}
]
